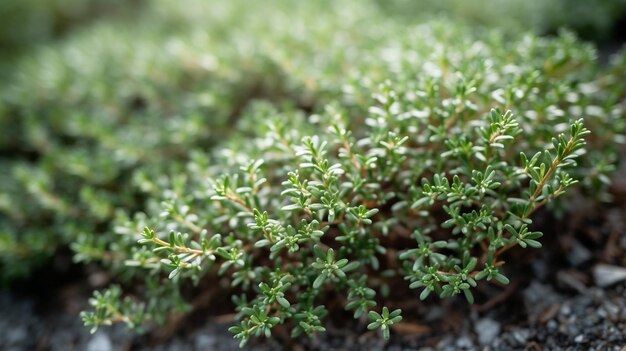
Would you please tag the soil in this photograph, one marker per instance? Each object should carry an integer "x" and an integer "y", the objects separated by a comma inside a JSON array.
[
  {"x": 539, "y": 317},
  {"x": 569, "y": 295}
]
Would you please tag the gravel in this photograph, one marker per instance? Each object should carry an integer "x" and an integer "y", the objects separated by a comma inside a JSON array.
[
  {"x": 24, "y": 327},
  {"x": 549, "y": 319},
  {"x": 594, "y": 320}
]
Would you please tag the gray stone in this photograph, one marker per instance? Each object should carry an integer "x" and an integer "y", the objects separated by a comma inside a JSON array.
[
  {"x": 578, "y": 254},
  {"x": 607, "y": 275},
  {"x": 446, "y": 341},
  {"x": 205, "y": 342},
  {"x": 487, "y": 330},
  {"x": 521, "y": 335},
  {"x": 16, "y": 334},
  {"x": 100, "y": 342},
  {"x": 565, "y": 310},
  {"x": 552, "y": 324},
  {"x": 464, "y": 342}
]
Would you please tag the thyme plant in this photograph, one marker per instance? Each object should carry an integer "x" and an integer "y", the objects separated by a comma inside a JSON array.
[
  {"x": 296, "y": 160},
  {"x": 291, "y": 235},
  {"x": 428, "y": 176}
]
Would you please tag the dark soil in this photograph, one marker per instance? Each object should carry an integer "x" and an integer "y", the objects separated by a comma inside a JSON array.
[
  {"x": 569, "y": 295},
  {"x": 594, "y": 319}
]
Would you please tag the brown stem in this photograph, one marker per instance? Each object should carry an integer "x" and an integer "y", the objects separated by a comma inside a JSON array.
[
  {"x": 194, "y": 228},
  {"x": 239, "y": 201},
  {"x": 181, "y": 248}
]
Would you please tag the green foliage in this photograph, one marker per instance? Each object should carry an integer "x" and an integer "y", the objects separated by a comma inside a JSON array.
[
  {"x": 297, "y": 159},
  {"x": 26, "y": 22},
  {"x": 589, "y": 19},
  {"x": 429, "y": 168},
  {"x": 84, "y": 123},
  {"x": 384, "y": 320}
]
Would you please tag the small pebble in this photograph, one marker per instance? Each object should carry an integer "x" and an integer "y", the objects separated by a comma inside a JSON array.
[
  {"x": 487, "y": 330},
  {"x": 100, "y": 342},
  {"x": 464, "y": 342},
  {"x": 205, "y": 342},
  {"x": 565, "y": 310},
  {"x": 578, "y": 254},
  {"x": 16, "y": 334},
  {"x": 552, "y": 324},
  {"x": 607, "y": 275},
  {"x": 521, "y": 335}
]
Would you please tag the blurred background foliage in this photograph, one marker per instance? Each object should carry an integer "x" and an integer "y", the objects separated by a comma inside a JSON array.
[
  {"x": 99, "y": 99},
  {"x": 599, "y": 21}
]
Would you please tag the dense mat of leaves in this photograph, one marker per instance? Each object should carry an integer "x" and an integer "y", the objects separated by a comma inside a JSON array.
[{"x": 298, "y": 158}]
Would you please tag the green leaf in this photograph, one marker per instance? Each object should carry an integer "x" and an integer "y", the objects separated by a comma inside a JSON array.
[
  {"x": 282, "y": 301},
  {"x": 501, "y": 278},
  {"x": 319, "y": 280}
]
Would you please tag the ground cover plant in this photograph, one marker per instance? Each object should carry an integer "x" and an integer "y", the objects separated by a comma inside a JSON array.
[
  {"x": 306, "y": 165},
  {"x": 428, "y": 171},
  {"x": 79, "y": 138}
]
